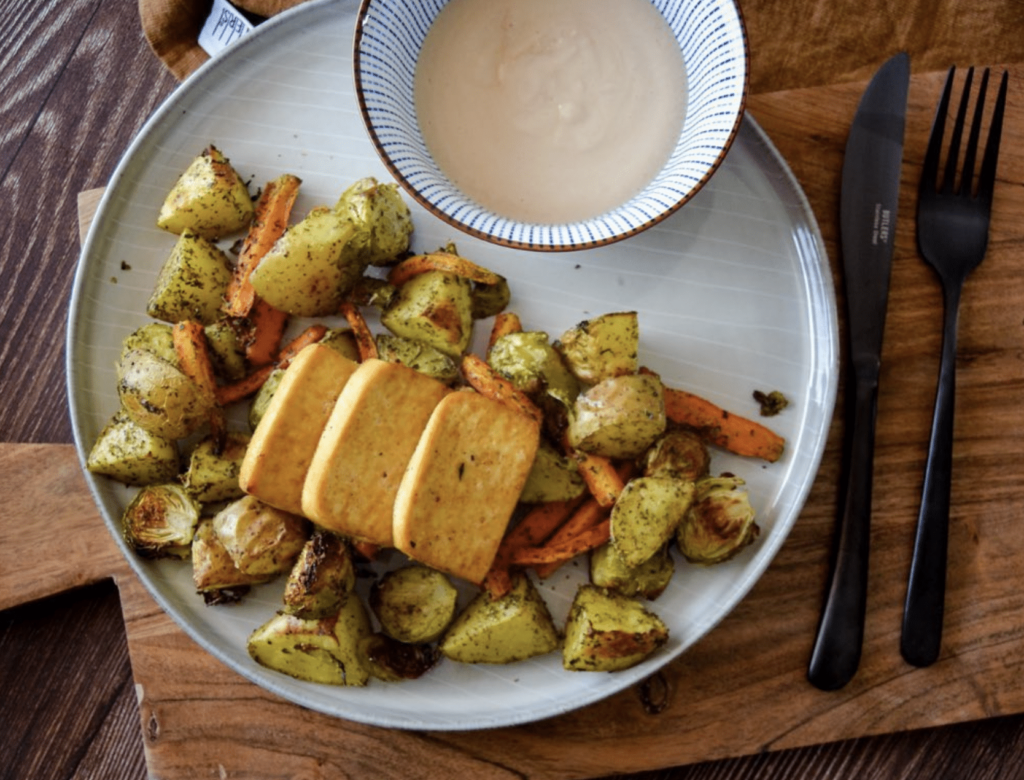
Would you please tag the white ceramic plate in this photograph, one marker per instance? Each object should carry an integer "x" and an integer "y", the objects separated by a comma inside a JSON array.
[{"x": 734, "y": 295}]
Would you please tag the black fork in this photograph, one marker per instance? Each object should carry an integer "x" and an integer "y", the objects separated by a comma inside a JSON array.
[{"x": 952, "y": 235}]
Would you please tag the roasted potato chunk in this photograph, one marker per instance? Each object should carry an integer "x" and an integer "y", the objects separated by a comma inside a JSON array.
[
  {"x": 226, "y": 350},
  {"x": 192, "y": 282},
  {"x": 311, "y": 267},
  {"x": 213, "y": 467},
  {"x": 513, "y": 628},
  {"x": 414, "y": 604},
  {"x": 260, "y": 539},
  {"x": 209, "y": 199},
  {"x": 214, "y": 570},
  {"x": 130, "y": 454},
  {"x": 155, "y": 337},
  {"x": 322, "y": 651},
  {"x": 433, "y": 307},
  {"x": 606, "y": 632},
  {"x": 417, "y": 356},
  {"x": 259, "y": 404},
  {"x": 620, "y": 417},
  {"x": 602, "y": 347},
  {"x": 552, "y": 477},
  {"x": 646, "y": 515},
  {"x": 529, "y": 361},
  {"x": 159, "y": 397},
  {"x": 161, "y": 521},
  {"x": 381, "y": 218}
]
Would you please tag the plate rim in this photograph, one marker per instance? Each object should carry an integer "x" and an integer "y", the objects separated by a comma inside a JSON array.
[{"x": 261, "y": 677}]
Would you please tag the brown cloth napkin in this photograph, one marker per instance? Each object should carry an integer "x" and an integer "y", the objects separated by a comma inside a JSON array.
[{"x": 172, "y": 28}]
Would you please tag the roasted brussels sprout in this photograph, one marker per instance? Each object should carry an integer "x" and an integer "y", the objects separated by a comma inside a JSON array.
[
  {"x": 414, "y": 604},
  {"x": 552, "y": 477},
  {"x": 433, "y": 307},
  {"x": 381, "y": 218},
  {"x": 502, "y": 631},
  {"x": 214, "y": 573},
  {"x": 646, "y": 514},
  {"x": 602, "y": 347},
  {"x": 213, "y": 468},
  {"x": 322, "y": 578},
  {"x": 607, "y": 631},
  {"x": 417, "y": 355},
  {"x": 392, "y": 661},
  {"x": 311, "y": 267},
  {"x": 322, "y": 651},
  {"x": 158, "y": 396},
  {"x": 192, "y": 282},
  {"x": 489, "y": 299},
  {"x": 260, "y": 539},
  {"x": 619, "y": 417},
  {"x": 210, "y": 199},
  {"x": 533, "y": 365},
  {"x": 130, "y": 454},
  {"x": 719, "y": 523},
  {"x": 680, "y": 454},
  {"x": 649, "y": 579},
  {"x": 161, "y": 521}
]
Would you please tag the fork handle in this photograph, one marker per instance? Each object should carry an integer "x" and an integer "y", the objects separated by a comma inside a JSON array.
[
  {"x": 926, "y": 589},
  {"x": 837, "y": 646}
]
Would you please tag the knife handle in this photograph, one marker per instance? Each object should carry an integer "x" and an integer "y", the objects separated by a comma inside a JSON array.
[
  {"x": 837, "y": 647},
  {"x": 924, "y": 607}
]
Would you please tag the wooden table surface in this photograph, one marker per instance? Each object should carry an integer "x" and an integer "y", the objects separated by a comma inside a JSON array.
[{"x": 78, "y": 81}]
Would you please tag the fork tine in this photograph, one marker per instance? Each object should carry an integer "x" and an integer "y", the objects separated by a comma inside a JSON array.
[
  {"x": 953, "y": 156},
  {"x": 929, "y": 173},
  {"x": 967, "y": 175},
  {"x": 987, "y": 177}
]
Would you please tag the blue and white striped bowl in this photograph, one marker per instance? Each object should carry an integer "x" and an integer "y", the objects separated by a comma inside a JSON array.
[{"x": 711, "y": 35}]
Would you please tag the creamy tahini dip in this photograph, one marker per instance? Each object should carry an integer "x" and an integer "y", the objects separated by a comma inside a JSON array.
[{"x": 550, "y": 110}]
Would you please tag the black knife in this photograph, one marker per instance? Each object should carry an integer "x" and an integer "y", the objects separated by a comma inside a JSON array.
[{"x": 867, "y": 222}]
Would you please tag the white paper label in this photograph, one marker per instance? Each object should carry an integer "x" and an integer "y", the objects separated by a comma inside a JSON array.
[{"x": 223, "y": 26}]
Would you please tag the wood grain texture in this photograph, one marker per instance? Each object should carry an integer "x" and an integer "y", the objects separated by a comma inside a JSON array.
[{"x": 197, "y": 714}]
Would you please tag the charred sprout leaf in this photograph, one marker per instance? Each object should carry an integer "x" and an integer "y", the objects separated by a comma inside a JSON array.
[
  {"x": 415, "y": 604},
  {"x": 322, "y": 578},
  {"x": 161, "y": 521},
  {"x": 771, "y": 403},
  {"x": 393, "y": 661},
  {"x": 720, "y": 522},
  {"x": 678, "y": 453},
  {"x": 649, "y": 579}
]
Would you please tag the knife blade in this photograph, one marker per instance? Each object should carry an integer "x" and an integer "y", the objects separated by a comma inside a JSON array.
[{"x": 867, "y": 223}]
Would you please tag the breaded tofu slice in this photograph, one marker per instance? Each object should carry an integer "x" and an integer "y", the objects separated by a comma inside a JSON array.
[
  {"x": 366, "y": 445},
  {"x": 282, "y": 446},
  {"x": 463, "y": 483}
]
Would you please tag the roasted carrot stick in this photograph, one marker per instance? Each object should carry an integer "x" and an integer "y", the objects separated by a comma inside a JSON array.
[
  {"x": 589, "y": 514},
  {"x": 365, "y": 343},
  {"x": 267, "y": 327},
  {"x": 486, "y": 381},
  {"x": 193, "y": 353},
  {"x": 441, "y": 261},
  {"x": 555, "y": 554},
  {"x": 273, "y": 210},
  {"x": 505, "y": 322},
  {"x": 236, "y": 391},
  {"x": 602, "y": 478}
]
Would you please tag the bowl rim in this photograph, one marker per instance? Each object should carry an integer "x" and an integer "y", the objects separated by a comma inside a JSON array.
[{"x": 492, "y": 238}]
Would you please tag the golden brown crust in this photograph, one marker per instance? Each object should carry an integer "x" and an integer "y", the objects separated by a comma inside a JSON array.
[
  {"x": 367, "y": 443},
  {"x": 463, "y": 483}
]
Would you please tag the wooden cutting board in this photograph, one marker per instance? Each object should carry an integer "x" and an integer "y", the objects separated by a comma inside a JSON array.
[{"x": 740, "y": 690}]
